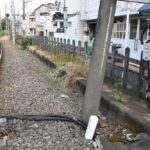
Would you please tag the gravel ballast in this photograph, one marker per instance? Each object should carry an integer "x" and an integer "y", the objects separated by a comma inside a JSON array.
[{"x": 27, "y": 88}]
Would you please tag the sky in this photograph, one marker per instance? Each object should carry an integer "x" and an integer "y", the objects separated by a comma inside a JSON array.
[{"x": 32, "y": 4}]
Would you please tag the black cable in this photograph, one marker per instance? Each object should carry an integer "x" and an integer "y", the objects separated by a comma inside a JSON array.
[{"x": 48, "y": 118}]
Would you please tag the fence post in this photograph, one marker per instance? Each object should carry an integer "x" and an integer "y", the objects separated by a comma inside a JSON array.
[
  {"x": 57, "y": 45},
  {"x": 141, "y": 75},
  {"x": 54, "y": 44},
  {"x": 79, "y": 48},
  {"x": 112, "y": 72},
  {"x": 65, "y": 49},
  {"x": 43, "y": 42},
  {"x": 46, "y": 42},
  {"x": 126, "y": 66},
  {"x": 73, "y": 47},
  {"x": 85, "y": 48},
  {"x": 68, "y": 46},
  {"x": 60, "y": 45}
]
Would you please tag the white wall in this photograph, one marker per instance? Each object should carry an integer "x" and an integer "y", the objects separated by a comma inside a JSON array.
[
  {"x": 75, "y": 31},
  {"x": 44, "y": 21},
  {"x": 73, "y": 6},
  {"x": 89, "y": 8}
]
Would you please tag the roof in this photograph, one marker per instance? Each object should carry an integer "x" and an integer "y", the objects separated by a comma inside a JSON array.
[
  {"x": 32, "y": 14},
  {"x": 138, "y": 1},
  {"x": 49, "y": 5},
  {"x": 145, "y": 9}
]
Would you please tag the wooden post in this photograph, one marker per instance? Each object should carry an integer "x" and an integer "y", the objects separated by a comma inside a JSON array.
[
  {"x": 126, "y": 67},
  {"x": 49, "y": 43},
  {"x": 60, "y": 45},
  {"x": 65, "y": 48},
  {"x": 98, "y": 61},
  {"x": 73, "y": 47},
  {"x": 40, "y": 41},
  {"x": 46, "y": 43},
  {"x": 141, "y": 75},
  {"x": 68, "y": 46},
  {"x": 79, "y": 48},
  {"x": 113, "y": 62},
  {"x": 43, "y": 42},
  {"x": 57, "y": 45},
  {"x": 54, "y": 44},
  {"x": 85, "y": 48}
]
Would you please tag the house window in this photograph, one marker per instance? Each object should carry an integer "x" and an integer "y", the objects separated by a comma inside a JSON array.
[
  {"x": 69, "y": 24},
  {"x": 133, "y": 28},
  {"x": 61, "y": 24},
  {"x": 119, "y": 30},
  {"x": 44, "y": 14},
  {"x": 32, "y": 19}
]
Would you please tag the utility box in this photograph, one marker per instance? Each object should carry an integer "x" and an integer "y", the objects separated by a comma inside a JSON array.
[{"x": 146, "y": 52}]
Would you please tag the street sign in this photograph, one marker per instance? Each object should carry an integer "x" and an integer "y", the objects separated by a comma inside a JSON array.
[{"x": 138, "y": 1}]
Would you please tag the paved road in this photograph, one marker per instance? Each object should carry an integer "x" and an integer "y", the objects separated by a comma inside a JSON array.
[{"x": 26, "y": 87}]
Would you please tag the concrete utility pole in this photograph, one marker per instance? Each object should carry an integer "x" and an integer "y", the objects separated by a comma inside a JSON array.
[
  {"x": 98, "y": 61},
  {"x": 13, "y": 21},
  {"x": 27, "y": 17},
  {"x": 65, "y": 12},
  {"x": 127, "y": 25},
  {"x": 23, "y": 9}
]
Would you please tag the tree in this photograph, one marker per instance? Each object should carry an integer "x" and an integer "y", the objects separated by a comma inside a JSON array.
[{"x": 3, "y": 23}]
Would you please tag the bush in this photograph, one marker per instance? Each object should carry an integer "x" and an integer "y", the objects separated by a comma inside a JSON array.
[
  {"x": 4, "y": 32},
  {"x": 26, "y": 42}
]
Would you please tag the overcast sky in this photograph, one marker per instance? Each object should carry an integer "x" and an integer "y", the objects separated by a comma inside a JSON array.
[{"x": 72, "y": 4}]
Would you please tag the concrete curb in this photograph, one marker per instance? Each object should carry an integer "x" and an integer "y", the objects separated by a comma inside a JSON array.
[
  {"x": 118, "y": 112},
  {"x": 109, "y": 107},
  {"x": 45, "y": 60}
]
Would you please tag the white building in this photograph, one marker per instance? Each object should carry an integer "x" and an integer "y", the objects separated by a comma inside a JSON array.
[
  {"x": 121, "y": 35},
  {"x": 74, "y": 31},
  {"x": 40, "y": 20}
]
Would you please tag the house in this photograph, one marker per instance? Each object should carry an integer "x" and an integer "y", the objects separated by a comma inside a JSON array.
[
  {"x": 74, "y": 30},
  {"x": 125, "y": 37},
  {"x": 40, "y": 21}
]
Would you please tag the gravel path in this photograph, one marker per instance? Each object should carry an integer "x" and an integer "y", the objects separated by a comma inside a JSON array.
[{"x": 26, "y": 88}]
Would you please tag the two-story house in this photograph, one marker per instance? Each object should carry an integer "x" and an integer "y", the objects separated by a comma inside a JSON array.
[{"x": 40, "y": 20}]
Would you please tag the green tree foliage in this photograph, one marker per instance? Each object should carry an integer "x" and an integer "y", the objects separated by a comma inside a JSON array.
[{"x": 3, "y": 23}]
